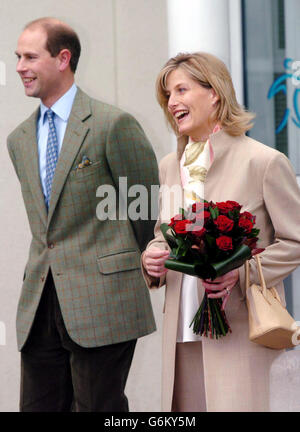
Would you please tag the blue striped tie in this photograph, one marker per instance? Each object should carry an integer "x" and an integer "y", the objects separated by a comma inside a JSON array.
[{"x": 51, "y": 154}]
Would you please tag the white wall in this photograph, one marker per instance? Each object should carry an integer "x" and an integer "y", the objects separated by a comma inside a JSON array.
[{"x": 124, "y": 45}]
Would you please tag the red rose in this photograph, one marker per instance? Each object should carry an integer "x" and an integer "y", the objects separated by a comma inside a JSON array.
[
  {"x": 206, "y": 215},
  {"x": 234, "y": 205},
  {"x": 224, "y": 243},
  {"x": 175, "y": 219},
  {"x": 246, "y": 224},
  {"x": 251, "y": 242},
  {"x": 247, "y": 215},
  {"x": 182, "y": 226},
  {"x": 198, "y": 231},
  {"x": 197, "y": 207},
  {"x": 225, "y": 207},
  {"x": 203, "y": 217},
  {"x": 223, "y": 223}
]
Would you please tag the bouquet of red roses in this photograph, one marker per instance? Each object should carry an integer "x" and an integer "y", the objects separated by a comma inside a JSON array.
[{"x": 208, "y": 240}]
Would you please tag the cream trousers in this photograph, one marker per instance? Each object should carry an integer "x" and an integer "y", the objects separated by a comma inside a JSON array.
[{"x": 189, "y": 388}]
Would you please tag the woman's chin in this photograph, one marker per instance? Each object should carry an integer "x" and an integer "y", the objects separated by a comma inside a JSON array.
[{"x": 184, "y": 130}]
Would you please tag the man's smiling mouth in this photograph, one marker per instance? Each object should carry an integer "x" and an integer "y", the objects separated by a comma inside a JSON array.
[{"x": 28, "y": 80}]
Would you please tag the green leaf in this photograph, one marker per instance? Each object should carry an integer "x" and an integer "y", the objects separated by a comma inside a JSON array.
[
  {"x": 170, "y": 239},
  {"x": 210, "y": 240},
  {"x": 212, "y": 212}
]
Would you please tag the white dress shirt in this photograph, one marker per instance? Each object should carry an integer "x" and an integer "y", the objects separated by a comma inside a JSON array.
[{"x": 189, "y": 300}]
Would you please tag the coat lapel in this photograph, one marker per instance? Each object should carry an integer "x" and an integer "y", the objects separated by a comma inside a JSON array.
[
  {"x": 31, "y": 163},
  {"x": 222, "y": 147},
  {"x": 75, "y": 134}
]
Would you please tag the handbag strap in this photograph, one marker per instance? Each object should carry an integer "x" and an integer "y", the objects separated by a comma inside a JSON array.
[{"x": 260, "y": 274}]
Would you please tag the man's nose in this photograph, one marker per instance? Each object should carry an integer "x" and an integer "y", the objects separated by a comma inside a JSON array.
[{"x": 20, "y": 66}]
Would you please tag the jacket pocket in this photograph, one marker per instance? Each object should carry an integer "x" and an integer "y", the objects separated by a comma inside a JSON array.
[
  {"x": 118, "y": 262},
  {"x": 82, "y": 173}
]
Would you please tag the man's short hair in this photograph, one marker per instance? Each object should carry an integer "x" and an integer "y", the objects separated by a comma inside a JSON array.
[{"x": 59, "y": 36}]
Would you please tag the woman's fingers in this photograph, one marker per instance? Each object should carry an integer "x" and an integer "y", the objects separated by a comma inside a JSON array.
[
  {"x": 222, "y": 286},
  {"x": 221, "y": 283},
  {"x": 156, "y": 253},
  {"x": 153, "y": 267},
  {"x": 154, "y": 260},
  {"x": 224, "y": 293},
  {"x": 157, "y": 273},
  {"x": 224, "y": 302}
]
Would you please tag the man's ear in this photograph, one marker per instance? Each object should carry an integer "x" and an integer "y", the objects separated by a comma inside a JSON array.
[{"x": 64, "y": 58}]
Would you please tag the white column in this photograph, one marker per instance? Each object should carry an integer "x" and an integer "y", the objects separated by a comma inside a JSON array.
[
  {"x": 213, "y": 26},
  {"x": 236, "y": 48},
  {"x": 199, "y": 25}
]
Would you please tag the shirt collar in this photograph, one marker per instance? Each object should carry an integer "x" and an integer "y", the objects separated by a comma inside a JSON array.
[{"x": 63, "y": 106}]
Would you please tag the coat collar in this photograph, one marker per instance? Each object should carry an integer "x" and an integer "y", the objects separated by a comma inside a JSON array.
[
  {"x": 222, "y": 146},
  {"x": 220, "y": 142},
  {"x": 74, "y": 136}
]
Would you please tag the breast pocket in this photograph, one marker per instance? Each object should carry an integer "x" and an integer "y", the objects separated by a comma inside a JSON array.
[{"x": 80, "y": 174}]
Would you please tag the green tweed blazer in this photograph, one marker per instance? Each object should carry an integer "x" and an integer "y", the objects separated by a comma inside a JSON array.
[{"x": 95, "y": 263}]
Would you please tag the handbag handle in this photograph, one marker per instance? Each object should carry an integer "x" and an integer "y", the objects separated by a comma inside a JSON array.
[{"x": 260, "y": 274}]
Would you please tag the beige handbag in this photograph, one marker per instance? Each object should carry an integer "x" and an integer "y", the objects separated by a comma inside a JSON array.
[{"x": 270, "y": 324}]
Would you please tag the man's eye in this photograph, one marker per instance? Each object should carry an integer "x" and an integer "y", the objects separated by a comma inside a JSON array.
[{"x": 181, "y": 90}]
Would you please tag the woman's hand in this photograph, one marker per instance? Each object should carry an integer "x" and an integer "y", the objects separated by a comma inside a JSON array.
[
  {"x": 154, "y": 260},
  {"x": 221, "y": 286}
]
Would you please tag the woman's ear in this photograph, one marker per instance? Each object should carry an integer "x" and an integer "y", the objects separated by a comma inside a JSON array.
[{"x": 214, "y": 96}]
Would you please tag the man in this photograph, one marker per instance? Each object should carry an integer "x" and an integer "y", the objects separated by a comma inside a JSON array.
[{"x": 83, "y": 302}]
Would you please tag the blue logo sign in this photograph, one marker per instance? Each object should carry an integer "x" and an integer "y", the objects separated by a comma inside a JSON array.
[{"x": 280, "y": 85}]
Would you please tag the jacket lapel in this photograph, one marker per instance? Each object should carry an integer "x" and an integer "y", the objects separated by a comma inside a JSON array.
[
  {"x": 31, "y": 163},
  {"x": 75, "y": 134}
]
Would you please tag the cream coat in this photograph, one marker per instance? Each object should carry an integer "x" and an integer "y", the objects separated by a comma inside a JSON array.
[{"x": 236, "y": 371}]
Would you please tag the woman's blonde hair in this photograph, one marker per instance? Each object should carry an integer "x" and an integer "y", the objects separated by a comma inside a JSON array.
[{"x": 210, "y": 72}]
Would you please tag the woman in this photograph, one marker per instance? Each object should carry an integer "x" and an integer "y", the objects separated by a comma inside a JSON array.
[{"x": 216, "y": 161}]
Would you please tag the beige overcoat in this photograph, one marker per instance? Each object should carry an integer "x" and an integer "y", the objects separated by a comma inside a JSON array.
[{"x": 236, "y": 371}]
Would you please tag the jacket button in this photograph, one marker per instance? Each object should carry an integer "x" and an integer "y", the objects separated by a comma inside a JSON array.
[{"x": 50, "y": 245}]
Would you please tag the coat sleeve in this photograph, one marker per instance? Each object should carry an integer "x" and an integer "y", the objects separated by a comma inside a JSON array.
[
  {"x": 12, "y": 156},
  {"x": 158, "y": 241},
  {"x": 130, "y": 155},
  {"x": 281, "y": 196}
]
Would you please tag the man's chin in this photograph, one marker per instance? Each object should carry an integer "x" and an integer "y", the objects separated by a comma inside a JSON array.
[{"x": 31, "y": 93}]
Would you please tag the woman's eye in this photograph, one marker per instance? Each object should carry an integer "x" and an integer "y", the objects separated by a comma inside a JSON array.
[{"x": 181, "y": 90}]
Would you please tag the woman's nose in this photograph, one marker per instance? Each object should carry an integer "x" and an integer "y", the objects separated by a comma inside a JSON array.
[{"x": 172, "y": 102}]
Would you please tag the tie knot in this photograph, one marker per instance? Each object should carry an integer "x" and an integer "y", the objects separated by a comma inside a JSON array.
[{"x": 50, "y": 115}]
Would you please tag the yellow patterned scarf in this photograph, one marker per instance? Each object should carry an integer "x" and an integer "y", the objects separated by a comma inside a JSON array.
[{"x": 192, "y": 152}]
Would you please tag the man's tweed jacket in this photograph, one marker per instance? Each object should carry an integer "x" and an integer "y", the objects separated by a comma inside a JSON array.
[{"x": 95, "y": 263}]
